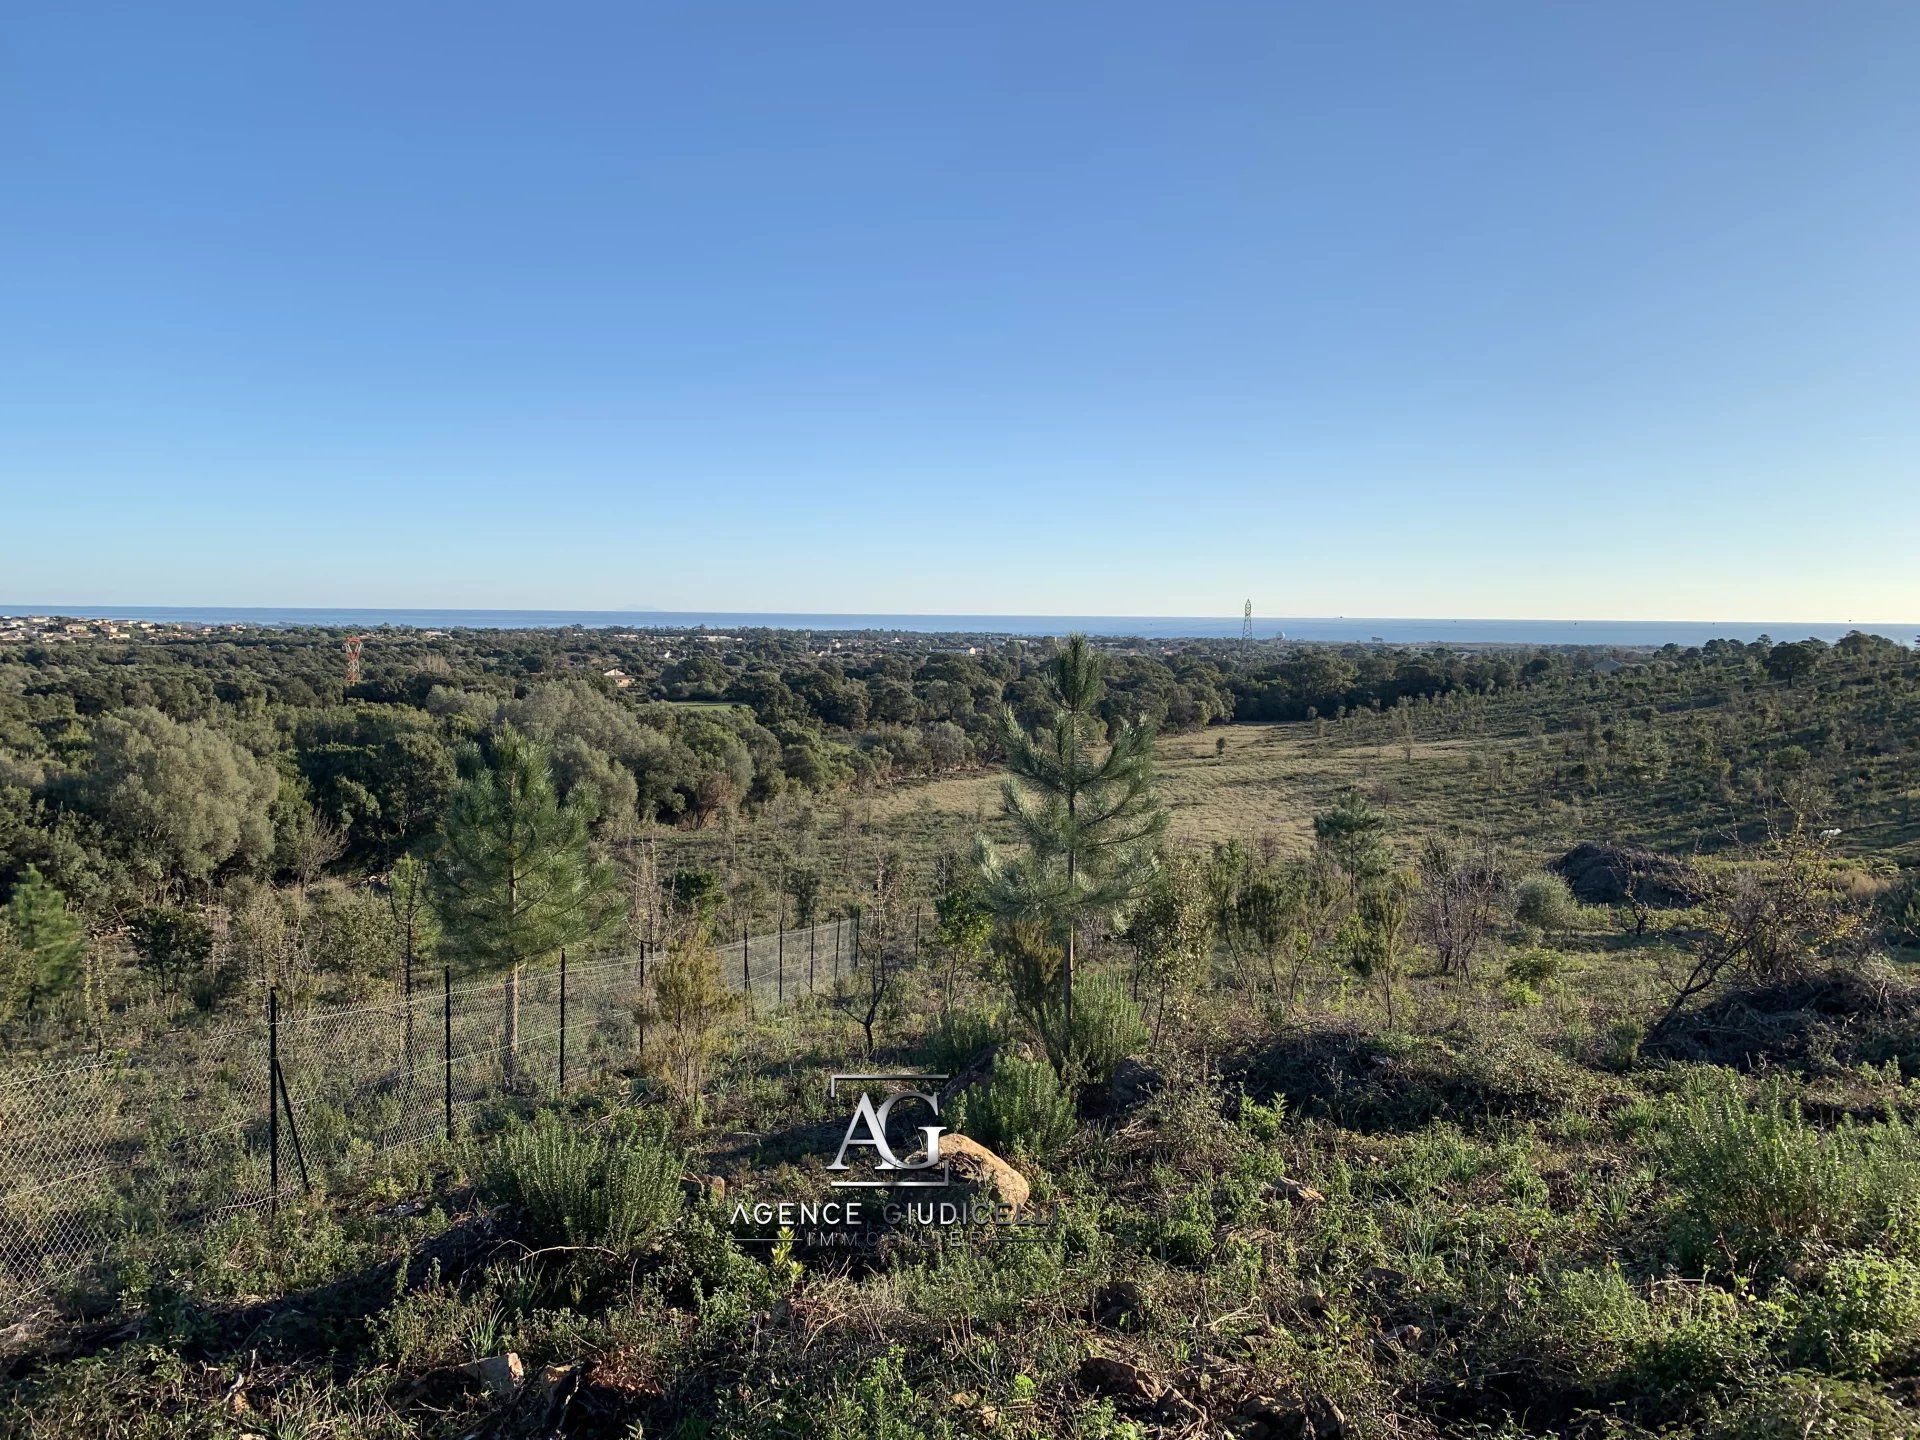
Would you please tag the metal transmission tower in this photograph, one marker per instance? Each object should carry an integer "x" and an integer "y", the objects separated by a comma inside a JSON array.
[
  {"x": 1246, "y": 624},
  {"x": 353, "y": 659}
]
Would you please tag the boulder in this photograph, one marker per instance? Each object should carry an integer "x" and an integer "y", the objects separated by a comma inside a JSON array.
[
  {"x": 1177, "y": 1410},
  {"x": 1134, "y": 1083},
  {"x": 499, "y": 1375},
  {"x": 978, "y": 1168},
  {"x": 1293, "y": 1192}
]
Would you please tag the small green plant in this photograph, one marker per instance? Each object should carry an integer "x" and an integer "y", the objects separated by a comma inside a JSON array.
[
  {"x": 878, "y": 1404},
  {"x": 572, "y": 1187},
  {"x": 1531, "y": 971},
  {"x": 1542, "y": 902},
  {"x": 1103, "y": 1421},
  {"x": 1186, "y": 1236},
  {"x": 1263, "y": 1122},
  {"x": 1620, "y": 1045},
  {"x": 1022, "y": 1106},
  {"x": 1535, "y": 968},
  {"x": 1757, "y": 1185},
  {"x": 1860, "y": 1317}
]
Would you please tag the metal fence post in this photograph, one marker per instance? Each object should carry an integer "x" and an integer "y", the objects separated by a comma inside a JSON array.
[
  {"x": 746, "y": 971},
  {"x": 277, "y": 1096},
  {"x": 446, "y": 1044},
  {"x": 563, "y": 1022},
  {"x": 856, "y": 940},
  {"x": 273, "y": 1096},
  {"x": 813, "y": 936},
  {"x": 780, "y": 958}
]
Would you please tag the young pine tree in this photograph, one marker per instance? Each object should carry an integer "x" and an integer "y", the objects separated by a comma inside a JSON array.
[
  {"x": 48, "y": 943},
  {"x": 515, "y": 878},
  {"x": 1084, "y": 808},
  {"x": 416, "y": 929}
]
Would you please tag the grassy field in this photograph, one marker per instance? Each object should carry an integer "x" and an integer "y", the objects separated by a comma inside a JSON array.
[{"x": 1270, "y": 780}]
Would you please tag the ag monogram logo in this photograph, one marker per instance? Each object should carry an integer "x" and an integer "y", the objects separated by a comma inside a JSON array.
[{"x": 868, "y": 1129}]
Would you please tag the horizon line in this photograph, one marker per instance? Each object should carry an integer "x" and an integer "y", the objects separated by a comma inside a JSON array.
[{"x": 81, "y": 612}]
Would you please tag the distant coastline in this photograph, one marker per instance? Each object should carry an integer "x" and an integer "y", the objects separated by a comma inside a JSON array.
[{"x": 1324, "y": 629}]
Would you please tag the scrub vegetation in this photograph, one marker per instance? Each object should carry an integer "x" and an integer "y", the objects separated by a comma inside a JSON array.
[{"x": 1430, "y": 1044}]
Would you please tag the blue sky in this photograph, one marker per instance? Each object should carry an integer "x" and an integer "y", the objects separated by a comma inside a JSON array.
[{"x": 1423, "y": 309}]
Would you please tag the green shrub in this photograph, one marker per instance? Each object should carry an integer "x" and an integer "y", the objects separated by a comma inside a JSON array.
[
  {"x": 960, "y": 1035},
  {"x": 1620, "y": 1049},
  {"x": 1797, "y": 1405},
  {"x": 1662, "y": 1347},
  {"x": 1187, "y": 1236},
  {"x": 1536, "y": 967},
  {"x": 877, "y": 1403},
  {"x": 1022, "y": 1106},
  {"x": 1186, "y": 1243},
  {"x": 1263, "y": 1122},
  {"x": 1755, "y": 1182},
  {"x": 573, "y": 1187},
  {"x": 1574, "y": 1326},
  {"x": 1702, "y": 1341},
  {"x": 1106, "y": 1028},
  {"x": 1543, "y": 902},
  {"x": 1862, "y": 1316}
]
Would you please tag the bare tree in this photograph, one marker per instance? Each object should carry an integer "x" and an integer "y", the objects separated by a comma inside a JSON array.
[
  {"x": 1463, "y": 896},
  {"x": 1776, "y": 917},
  {"x": 884, "y": 937}
]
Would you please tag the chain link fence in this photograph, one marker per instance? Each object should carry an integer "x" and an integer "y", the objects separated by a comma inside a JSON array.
[{"x": 198, "y": 1122}]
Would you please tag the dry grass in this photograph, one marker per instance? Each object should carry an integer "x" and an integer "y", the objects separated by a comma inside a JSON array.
[{"x": 1270, "y": 781}]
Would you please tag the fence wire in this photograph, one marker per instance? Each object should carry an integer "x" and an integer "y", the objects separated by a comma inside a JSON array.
[{"x": 198, "y": 1122}]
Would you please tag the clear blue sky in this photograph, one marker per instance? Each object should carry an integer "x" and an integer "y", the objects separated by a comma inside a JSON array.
[{"x": 1481, "y": 309}]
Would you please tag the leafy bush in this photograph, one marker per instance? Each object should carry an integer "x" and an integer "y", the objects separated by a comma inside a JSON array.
[
  {"x": 959, "y": 1036},
  {"x": 1662, "y": 1347},
  {"x": 1757, "y": 1183},
  {"x": 1862, "y": 1316},
  {"x": 1544, "y": 902},
  {"x": 1530, "y": 971},
  {"x": 1106, "y": 1028},
  {"x": 572, "y": 1187},
  {"x": 1022, "y": 1106},
  {"x": 1536, "y": 967},
  {"x": 1186, "y": 1242},
  {"x": 876, "y": 1403},
  {"x": 1621, "y": 1047},
  {"x": 1263, "y": 1122},
  {"x": 1701, "y": 1341},
  {"x": 1796, "y": 1405}
]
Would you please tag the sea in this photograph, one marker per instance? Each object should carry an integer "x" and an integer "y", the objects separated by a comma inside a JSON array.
[{"x": 1338, "y": 628}]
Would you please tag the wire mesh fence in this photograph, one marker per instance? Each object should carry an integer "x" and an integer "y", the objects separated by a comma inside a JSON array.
[{"x": 198, "y": 1122}]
